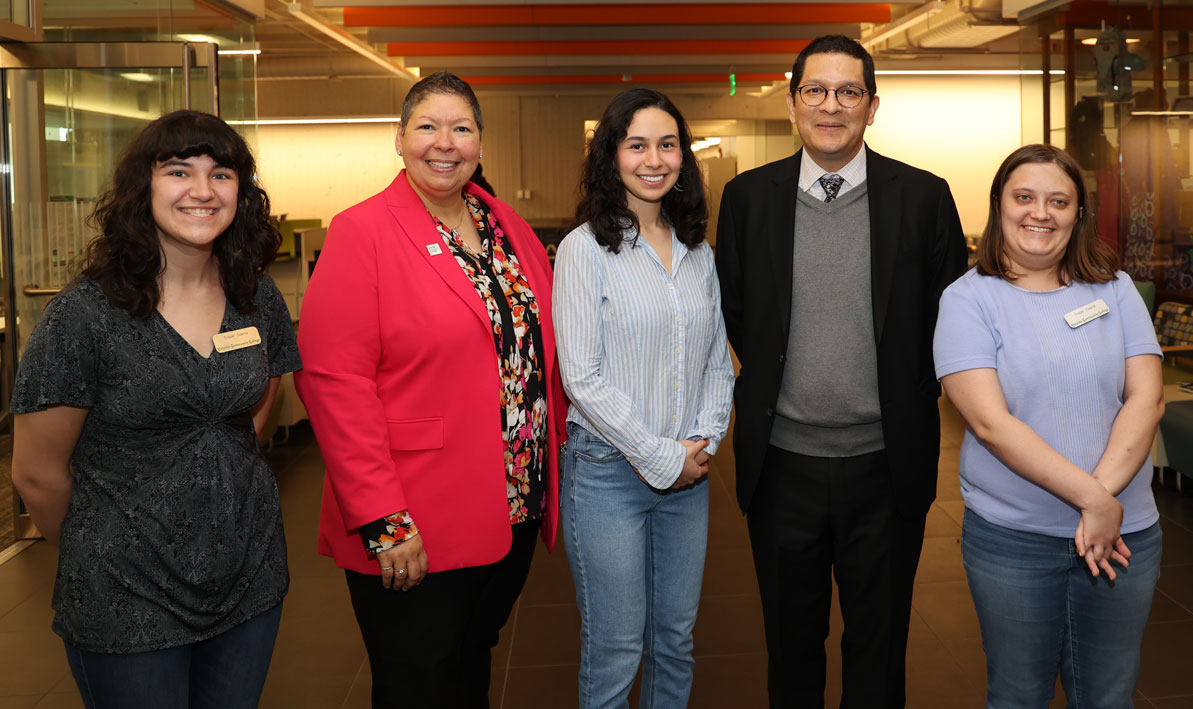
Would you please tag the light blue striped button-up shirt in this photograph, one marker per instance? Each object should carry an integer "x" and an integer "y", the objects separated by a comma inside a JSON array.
[{"x": 643, "y": 352}]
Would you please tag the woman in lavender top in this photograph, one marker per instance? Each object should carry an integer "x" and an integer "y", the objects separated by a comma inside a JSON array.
[{"x": 1049, "y": 354}]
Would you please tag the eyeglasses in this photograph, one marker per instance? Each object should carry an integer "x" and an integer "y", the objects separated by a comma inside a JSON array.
[{"x": 847, "y": 96}]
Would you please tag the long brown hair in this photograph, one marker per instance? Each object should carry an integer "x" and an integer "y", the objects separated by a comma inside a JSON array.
[{"x": 1086, "y": 258}]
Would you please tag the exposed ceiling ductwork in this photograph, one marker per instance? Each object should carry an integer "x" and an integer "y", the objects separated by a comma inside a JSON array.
[{"x": 953, "y": 24}]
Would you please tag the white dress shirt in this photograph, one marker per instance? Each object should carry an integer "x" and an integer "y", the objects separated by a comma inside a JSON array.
[{"x": 854, "y": 174}]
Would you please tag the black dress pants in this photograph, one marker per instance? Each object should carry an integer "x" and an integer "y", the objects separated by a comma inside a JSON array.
[
  {"x": 431, "y": 646},
  {"x": 815, "y": 517}
]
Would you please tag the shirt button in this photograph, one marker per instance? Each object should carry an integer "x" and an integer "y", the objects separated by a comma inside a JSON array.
[
  {"x": 677, "y": 350},
  {"x": 677, "y": 385},
  {"x": 674, "y": 418},
  {"x": 670, "y": 286},
  {"x": 678, "y": 319},
  {"x": 782, "y": 358},
  {"x": 770, "y": 411}
]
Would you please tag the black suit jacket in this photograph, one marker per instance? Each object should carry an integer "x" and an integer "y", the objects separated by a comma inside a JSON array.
[{"x": 917, "y": 249}]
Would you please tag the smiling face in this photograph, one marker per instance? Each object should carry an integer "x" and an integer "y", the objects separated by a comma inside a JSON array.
[
  {"x": 1039, "y": 209},
  {"x": 193, "y": 200},
  {"x": 440, "y": 146},
  {"x": 832, "y": 134},
  {"x": 649, "y": 158}
]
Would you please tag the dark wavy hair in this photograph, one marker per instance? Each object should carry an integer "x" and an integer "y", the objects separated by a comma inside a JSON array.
[
  {"x": 835, "y": 44},
  {"x": 1086, "y": 259},
  {"x": 126, "y": 257},
  {"x": 603, "y": 196}
]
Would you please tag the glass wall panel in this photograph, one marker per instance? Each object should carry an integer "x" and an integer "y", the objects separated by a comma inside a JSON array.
[{"x": 1123, "y": 108}]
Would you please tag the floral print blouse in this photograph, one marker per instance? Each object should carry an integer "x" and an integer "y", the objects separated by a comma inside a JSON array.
[{"x": 514, "y": 313}]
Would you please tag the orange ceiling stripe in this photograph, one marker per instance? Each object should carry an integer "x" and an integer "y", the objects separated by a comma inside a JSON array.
[
  {"x": 618, "y": 79},
  {"x": 601, "y": 47},
  {"x": 511, "y": 15}
]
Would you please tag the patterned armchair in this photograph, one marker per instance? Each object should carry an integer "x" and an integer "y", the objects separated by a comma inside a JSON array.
[{"x": 1174, "y": 328}]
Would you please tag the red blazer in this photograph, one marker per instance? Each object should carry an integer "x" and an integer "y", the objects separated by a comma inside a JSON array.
[{"x": 400, "y": 380}]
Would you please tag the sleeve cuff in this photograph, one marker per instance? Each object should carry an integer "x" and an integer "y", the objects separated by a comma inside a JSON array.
[
  {"x": 663, "y": 467},
  {"x": 387, "y": 532}
]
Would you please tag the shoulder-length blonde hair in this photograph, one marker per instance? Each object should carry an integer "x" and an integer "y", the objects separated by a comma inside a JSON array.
[{"x": 1086, "y": 258}]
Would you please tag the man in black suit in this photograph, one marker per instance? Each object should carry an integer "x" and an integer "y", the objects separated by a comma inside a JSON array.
[{"x": 831, "y": 264}]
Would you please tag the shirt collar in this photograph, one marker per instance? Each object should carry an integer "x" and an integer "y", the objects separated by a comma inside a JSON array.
[{"x": 854, "y": 171}]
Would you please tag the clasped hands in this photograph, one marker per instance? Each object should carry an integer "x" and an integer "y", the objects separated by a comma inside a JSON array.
[
  {"x": 1098, "y": 536},
  {"x": 695, "y": 464}
]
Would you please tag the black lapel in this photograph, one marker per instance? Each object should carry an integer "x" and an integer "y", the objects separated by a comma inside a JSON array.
[
  {"x": 886, "y": 214},
  {"x": 781, "y": 232}
]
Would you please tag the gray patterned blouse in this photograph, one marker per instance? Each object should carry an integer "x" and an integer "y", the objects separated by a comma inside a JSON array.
[{"x": 174, "y": 532}]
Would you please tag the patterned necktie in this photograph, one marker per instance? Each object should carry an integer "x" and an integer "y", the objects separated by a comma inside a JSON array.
[{"x": 831, "y": 183}]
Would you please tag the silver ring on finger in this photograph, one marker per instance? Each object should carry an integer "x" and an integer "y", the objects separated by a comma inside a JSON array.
[
  {"x": 387, "y": 568},
  {"x": 401, "y": 571}
]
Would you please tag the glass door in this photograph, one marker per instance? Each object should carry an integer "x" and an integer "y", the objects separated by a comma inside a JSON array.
[{"x": 67, "y": 110}]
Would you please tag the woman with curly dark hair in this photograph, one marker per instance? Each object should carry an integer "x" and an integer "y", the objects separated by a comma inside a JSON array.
[
  {"x": 645, "y": 361},
  {"x": 152, "y": 376}
]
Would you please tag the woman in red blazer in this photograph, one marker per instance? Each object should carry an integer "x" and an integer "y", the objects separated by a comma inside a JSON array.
[{"x": 430, "y": 379}]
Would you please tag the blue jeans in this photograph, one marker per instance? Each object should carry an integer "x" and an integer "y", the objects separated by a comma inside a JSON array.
[
  {"x": 224, "y": 672},
  {"x": 1041, "y": 611},
  {"x": 637, "y": 558}
]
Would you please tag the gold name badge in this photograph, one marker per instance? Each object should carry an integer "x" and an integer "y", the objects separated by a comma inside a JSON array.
[{"x": 236, "y": 339}]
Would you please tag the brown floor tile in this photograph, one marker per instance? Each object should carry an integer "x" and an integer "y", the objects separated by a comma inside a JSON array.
[
  {"x": 941, "y": 560},
  {"x": 940, "y": 524},
  {"x": 729, "y": 681},
  {"x": 947, "y": 609},
  {"x": 1166, "y": 610},
  {"x": 1178, "y": 545},
  {"x": 315, "y": 651},
  {"x": 729, "y": 625},
  {"x": 729, "y": 572},
  {"x": 935, "y": 677},
  {"x": 546, "y": 635},
  {"x": 360, "y": 696},
  {"x": 34, "y": 661},
  {"x": 33, "y": 614},
  {"x": 1175, "y": 508},
  {"x": 1185, "y": 702},
  {"x": 550, "y": 580},
  {"x": 541, "y": 687},
  {"x": 60, "y": 700},
  {"x": 954, "y": 510},
  {"x": 27, "y": 701},
  {"x": 26, "y": 573},
  {"x": 967, "y": 652},
  {"x": 1177, "y": 583},
  {"x": 1164, "y": 670},
  {"x": 306, "y": 692}
]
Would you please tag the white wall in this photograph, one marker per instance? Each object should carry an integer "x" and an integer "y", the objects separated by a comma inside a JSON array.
[
  {"x": 317, "y": 171},
  {"x": 960, "y": 128}
]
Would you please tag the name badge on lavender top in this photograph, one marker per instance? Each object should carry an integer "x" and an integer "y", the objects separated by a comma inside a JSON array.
[{"x": 1085, "y": 313}]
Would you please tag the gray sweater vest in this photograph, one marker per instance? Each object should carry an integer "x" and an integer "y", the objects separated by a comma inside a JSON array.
[{"x": 828, "y": 404}]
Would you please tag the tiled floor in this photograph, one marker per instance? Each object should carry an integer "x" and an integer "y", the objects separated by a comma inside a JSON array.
[{"x": 319, "y": 661}]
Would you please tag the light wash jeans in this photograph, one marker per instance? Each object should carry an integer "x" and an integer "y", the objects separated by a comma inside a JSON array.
[
  {"x": 1041, "y": 611},
  {"x": 637, "y": 558}
]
